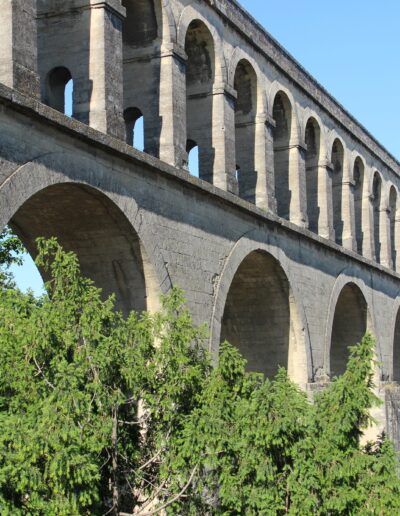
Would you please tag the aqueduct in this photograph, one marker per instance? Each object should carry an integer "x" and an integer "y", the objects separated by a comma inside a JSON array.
[{"x": 288, "y": 242}]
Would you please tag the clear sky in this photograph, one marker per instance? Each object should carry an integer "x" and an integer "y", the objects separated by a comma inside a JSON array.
[{"x": 351, "y": 47}]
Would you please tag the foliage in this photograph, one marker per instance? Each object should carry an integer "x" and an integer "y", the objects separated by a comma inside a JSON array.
[
  {"x": 100, "y": 414},
  {"x": 11, "y": 249}
]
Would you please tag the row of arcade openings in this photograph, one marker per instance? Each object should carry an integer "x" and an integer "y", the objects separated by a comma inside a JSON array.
[{"x": 135, "y": 130}]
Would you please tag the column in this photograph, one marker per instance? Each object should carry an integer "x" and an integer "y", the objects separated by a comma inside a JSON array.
[
  {"x": 348, "y": 233},
  {"x": 173, "y": 105},
  {"x": 297, "y": 184},
  {"x": 264, "y": 163},
  {"x": 384, "y": 234},
  {"x": 325, "y": 221},
  {"x": 223, "y": 138},
  {"x": 18, "y": 46},
  {"x": 105, "y": 67}
]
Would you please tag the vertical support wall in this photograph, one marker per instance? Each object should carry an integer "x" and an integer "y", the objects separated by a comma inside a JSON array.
[{"x": 18, "y": 48}]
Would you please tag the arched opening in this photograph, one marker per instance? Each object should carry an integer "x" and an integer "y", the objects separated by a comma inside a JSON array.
[
  {"x": 192, "y": 150},
  {"x": 337, "y": 160},
  {"x": 245, "y": 130},
  {"x": 376, "y": 206},
  {"x": 313, "y": 138},
  {"x": 59, "y": 90},
  {"x": 358, "y": 176},
  {"x": 396, "y": 350},
  {"x": 142, "y": 37},
  {"x": 282, "y": 114},
  {"x": 134, "y": 127},
  {"x": 349, "y": 326},
  {"x": 259, "y": 314},
  {"x": 200, "y": 72},
  {"x": 392, "y": 221},
  {"x": 90, "y": 224}
]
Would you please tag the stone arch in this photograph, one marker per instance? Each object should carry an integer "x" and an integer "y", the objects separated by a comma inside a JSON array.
[
  {"x": 200, "y": 15},
  {"x": 246, "y": 108},
  {"x": 377, "y": 202},
  {"x": 337, "y": 159},
  {"x": 44, "y": 201},
  {"x": 284, "y": 117},
  {"x": 314, "y": 188},
  {"x": 348, "y": 320},
  {"x": 55, "y": 84},
  {"x": 143, "y": 24},
  {"x": 260, "y": 267},
  {"x": 200, "y": 78},
  {"x": 359, "y": 188}
]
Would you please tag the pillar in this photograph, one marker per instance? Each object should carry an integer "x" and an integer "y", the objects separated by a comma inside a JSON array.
[
  {"x": 325, "y": 221},
  {"x": 297, "y": 184},
  {"x": 223, "y": 138},
  {"x": 173, "y": 105},
  {"x": 105, "y": 67},
  {"x": 18, "y": 46},
  {"x": 348, "y": 232},
  {"x": 384, "y": 234},
  {"x": 264, "y": 163}
]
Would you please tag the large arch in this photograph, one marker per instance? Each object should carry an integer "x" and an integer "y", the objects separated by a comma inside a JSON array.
[
  {"x": 89, "y": 216},
  {"x": 349, "y": 323},
  {"x": 257, "y": 310},
  {"x": 245, "y": 84},
  {"x": 313, "y": 187},
  {"x": 200, "y": 76},
  {"x": 337, "y": 160},
  {"x": 282, "y": 113}
]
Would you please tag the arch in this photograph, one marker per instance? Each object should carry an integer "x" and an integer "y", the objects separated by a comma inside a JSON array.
[
  {"x": 143, "y": 23},
  {"x": 393, "y": 225},
  {"x": 200, "y": 15},
  {"x": 200, "y": 76},
  {"x": 376, "y": 207},
  {"x": 358, "y": 178},
  {"x": 55, "y": 88},
  {"x": 131, "y": 116},
  {"x": 312, "y": 159},
  {"x": 337, "y": 160},
  {"x": 282, "y": 136},
  {"x": 245, "y": 84},
  {"x": 349, "y": 322},
  {"x": 260, "y": 267},
  {"x": 45, "y": 201}
]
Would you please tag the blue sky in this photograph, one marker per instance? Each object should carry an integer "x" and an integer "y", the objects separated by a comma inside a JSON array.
[{"x": 351, "y": 47}]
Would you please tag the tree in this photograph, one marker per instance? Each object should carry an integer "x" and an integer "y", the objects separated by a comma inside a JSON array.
[{"x": 101, "y": 414}]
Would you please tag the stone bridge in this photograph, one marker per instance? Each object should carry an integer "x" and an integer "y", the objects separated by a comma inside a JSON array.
[{"x": 288, "y": 243}]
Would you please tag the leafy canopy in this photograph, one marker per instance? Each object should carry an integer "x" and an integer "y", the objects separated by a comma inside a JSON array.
[{"x": 101, "y": 414}]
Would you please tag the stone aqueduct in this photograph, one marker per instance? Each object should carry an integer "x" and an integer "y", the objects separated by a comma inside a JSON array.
[{"x": 288, "y": 243}]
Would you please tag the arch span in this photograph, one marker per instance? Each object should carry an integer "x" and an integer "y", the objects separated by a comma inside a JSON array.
[
  {"x": 256, "y": 310},
  {"x": 89, "y": 217},
  {"x": 348, "y": 322}
]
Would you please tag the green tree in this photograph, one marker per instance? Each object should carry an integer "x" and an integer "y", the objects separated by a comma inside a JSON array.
[{"x": 101, "y": 414}]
